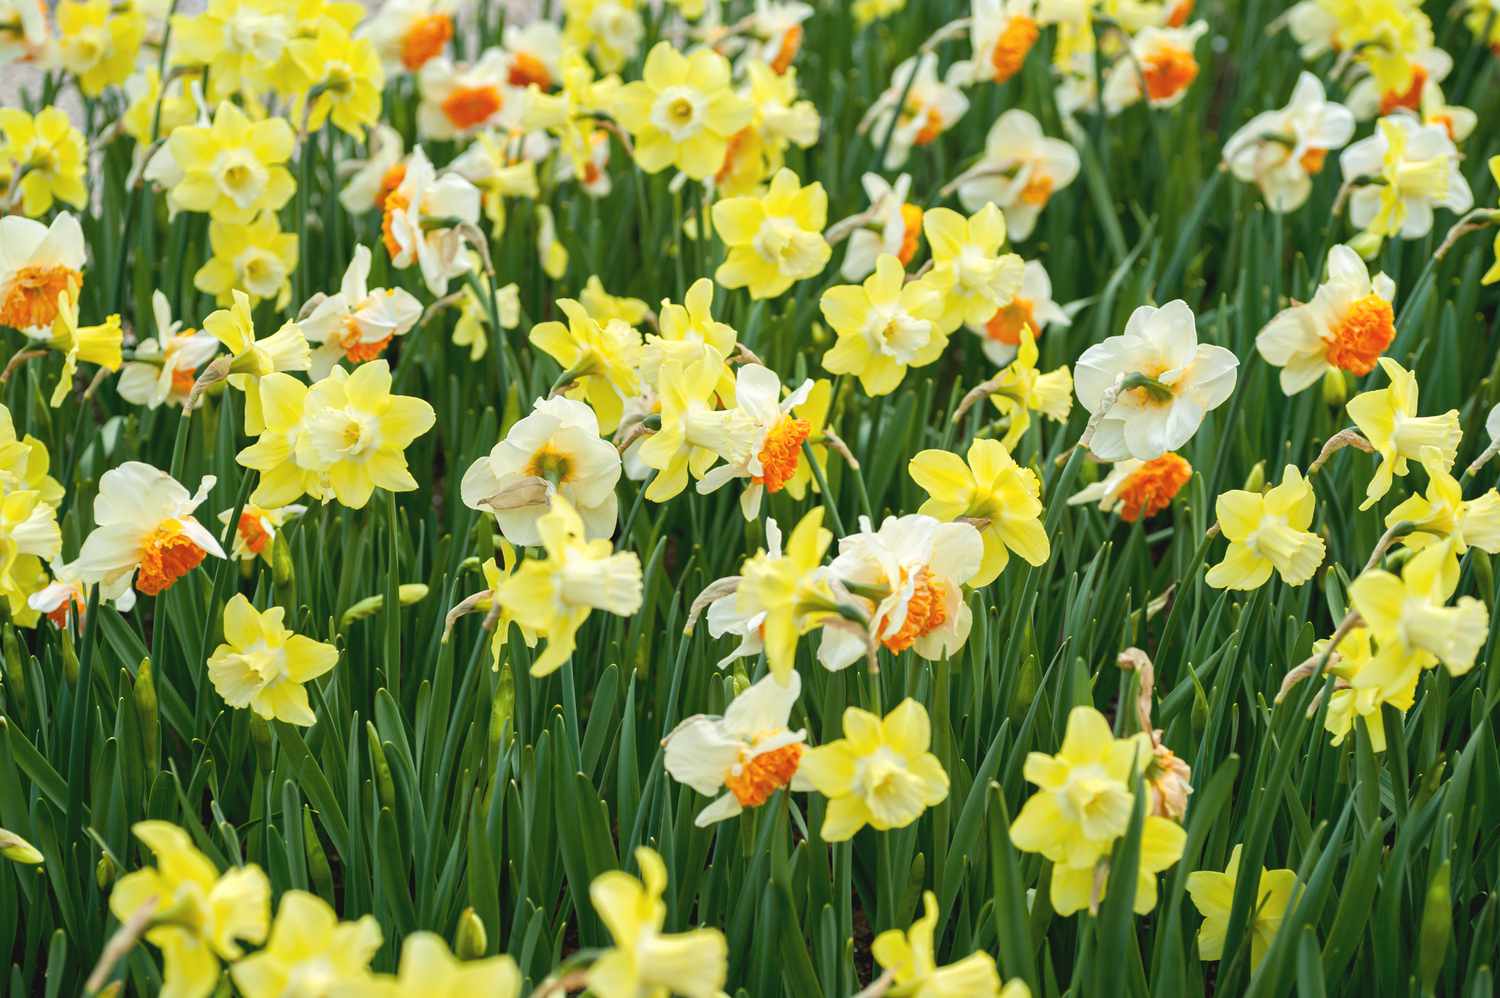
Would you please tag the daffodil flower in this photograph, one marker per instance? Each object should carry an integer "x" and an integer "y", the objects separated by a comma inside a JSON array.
[
  {"x": 1412, "y": 611},
  {"x": 1388, "y": 419},
  {"x": 1268, "y": 532},
  {"x": 884, "y": 326},
  {"x": 911, "y": 959},
  {"x": 1213, "y": 895}
]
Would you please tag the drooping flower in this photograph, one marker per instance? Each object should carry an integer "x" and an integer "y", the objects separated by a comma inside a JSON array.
[
  {"x": 911, "y": 958},
  {"x": 774, "y": 240},
  {"x": 97, "y": 344},
  {"x": 891, "y": 225},
  {"x": 1281, "y": 151},
  {"x": 884, "y": 326},
  {"x": 49, "y": 157},
  {"x": 1346, "y": 326},
  {"x": 1388, "y": 419},
  {"x": 879, "y": 774},
  {"x": 554, "y": 595},
  {"x": 744, "y": 757},
  {"x": 1213, "y": 896},
  {"x": 976, "y": 278},
  {"x": 1400, "y": 175},
  {"x": 253, "y": 359},
  {"x": 1022, "y": 389},
  {"x": 358, "y": 322},
  {"x": 908, "y": 578},
  {"x": 264, "y": 666},
  {"x": 1367, "y": 679},
  {"x": 166, "y": 365},
  {"x": 145, "y": 536},
  {"x": 1137, "y": 489},
  {"x": 309, "y": 951},
  {"x": 694, "y": 432},
  {"x": 682, "y": 112},
  {"x": 200, "y": 916},
  {"x": 255, "y": 532},
  {"x": 29, "y": 535},
  {"x": 1442, "y": 513},
  {"x": 1411, "y": 611},
  {"x": 559, "y": 443},
  {"x": 645, "y": 960},
  {"x": 38, "y": 263},
  {"x": 1019, "y": 172},
  {"x": 993, "y": 493},
  {"x": 1180, "y": 381},
  {"x": 1267, "y": 532},
  {"x": 233, "y": 168},
  {"x": 356, "y": 432},
  {"x": 599, "y": 361}
]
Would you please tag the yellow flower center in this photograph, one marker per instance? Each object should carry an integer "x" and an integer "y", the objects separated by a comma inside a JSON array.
[{"x": 550, "y": 464}]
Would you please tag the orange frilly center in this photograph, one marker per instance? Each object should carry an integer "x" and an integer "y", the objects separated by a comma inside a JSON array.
[
  {"x": 932, "y": 126},
  {"x": 1312, "y": 160},
  {"x": 1011, "y": 48},
  {"x": 467, "y": 107},
  {"x": 1168, "y": 71},
  {"x": 1006, "y": 324},
  {"x": 1410, "y": 98},
  {"x": 360, "y": 350},
  {"x": 426, "y": 37},
  {"x": 781, "y": 452},
  {"x": 73, "y": 604},
  {"x": 393, "y": 203},
  {"x": 168, "y": 555},
  {"x": 1362, "y": 334},
  {"x": 762, "y": 776},
  {"x": 911, "y": 224},
  {"x": 253, "y": 533},
  {"x": 389, "y": 181},
  {"x": 1150, "y": 488},
  {"x": 1037, "y": 190},
  {"x": 526, "y": 69},
  {"x": 791, "y": 44},
  {"x": 738, "y": 143},
  {"x": 183, "y": 379},
  {"x": 925, "y": 612},
  {"x": 31, "y": 296}
]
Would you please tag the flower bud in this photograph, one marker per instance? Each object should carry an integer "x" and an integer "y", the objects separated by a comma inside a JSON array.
[
  {"x": 385, "y": 786},
  {"x": 260, "y": 738},
  {"x": 18, "y": 850},
  {"x": 470, "y": 941},
  {"x": 146, "y": 715},
  {"x": 1256, "y": 480},
  {"x": 1335, "y": 388},
  {"x": 1366, "y": 244},
  {"x": 104, "y": 872},
  {"x": 69, "y": 657}
]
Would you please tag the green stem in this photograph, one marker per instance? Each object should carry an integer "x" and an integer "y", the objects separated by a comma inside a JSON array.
[
  {"x": 822, "y": 480},
  {"x": 392, "y": 600}
]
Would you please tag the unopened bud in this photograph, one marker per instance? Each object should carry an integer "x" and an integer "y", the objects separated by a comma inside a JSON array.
[
  {"x": 1366, "y": 244},
  {"x": 260, "y": 738},
  {"x": 15, "y": 662},
  {"x": 146, "y": 715},
  {"x": 1335, "y": 388},
  {"x": 317, "y": 860},
  {"x": 385, "y": 786},
  {"x": 470, "y": 941},
  {"x": 105, "y": 872},
  {"x": 69, "y": 657},
  {"x": 17, "y": 849},
  {"x": 1256, "y": 480},
  {"x": 406, "y": 595}
]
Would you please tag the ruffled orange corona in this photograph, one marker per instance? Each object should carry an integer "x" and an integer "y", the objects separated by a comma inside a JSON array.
[
  {"x": 924, "y": 612},
  {"x": 253, "y": 533},
  {"x": 764, "y": 774},
  {"x": 1362, "y": 335},
  {"x": 1168, "y": 71},
  {"x": 782, "y": 451},
  {"x": 468, "y": 107},
  {"x": 30, "y": 297},
  {"x": 1410, "y": 98},
  {"x": 1012, "y": 47},
  {"x": 526, "y": 69},
  {"x": 1006, "y": 324},
  {"x": 911, "y": 222},
  {"x": 427, "y": 37},
  {"x": 169, "y": 555},
  {"x": 389, "y": 181},
  {"x": 1151, "y": 487}
]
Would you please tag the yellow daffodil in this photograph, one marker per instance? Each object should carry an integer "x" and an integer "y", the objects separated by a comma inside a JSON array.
[
  {"x": 694, "y": 433},
  {"x": 255, "y": 257},
  {"x": 759, "y": 149},
  {"x": 1493, "y": 274},
  {"x": 884, "y": 326},
  {"x": 554, "y": 595},
  {"x": 356, "y": 432},
  {"x": 611, "y": 30},
  {"x": 24, "y": 463},
  {"x": 684, "y": 331},
  {"x": 281, "y": 480},
  {"x": 1021, "y": 389},
  {"x": 49, "y": 157},
  {"x": 1268, "y": 531},
  {"x": 341, "y": 80},
  {"x": 1412, "y": 611},
  {"x": 1213, "y": 896},
  {"x": 1443, "y": 512},
  {"x": 99, "y": 344},
  {"x": 773, "y": 240},
  {"x": 430, "y": 970},
  {"x": 1388, "y": 419},
  {"x": 1400, "y": 175},
  {"x": 599, "y": 361},
  {"x": 911, "y": 958},
  {"x": 472, "y": 328},
  {"x": 29, "y": 536},
  {"x": 176, "y": 107},
  {"x": 198, "y": 916},
  {"x": 999, "y": 497},
  {"x": 789, "y": 590},
  {"x": 1083, "y": 805},
  {"x": 284, "y": 350},
  {"x": 604, "y": 307},
  {"x": 1368, "y": 679},
  {"x": 232, "y": 169},
  {"x": 263, "y": 666},
  {"x": 976, "y": 278},
  {"x": 98, "y": 43},
  {"x": 239, "y": 42},
  {"x": 866, "y": 11},
  {"x": 879, "y": 774},
  {"x": 309, "y": 952},
  {"x": 682, "y": 111},
  {"x": 645, "y": 961}
]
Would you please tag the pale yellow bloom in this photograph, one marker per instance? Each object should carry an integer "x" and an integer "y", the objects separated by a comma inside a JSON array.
[
  {"x": 264, "y": 666},
  {"x": 774, "y": 240}
]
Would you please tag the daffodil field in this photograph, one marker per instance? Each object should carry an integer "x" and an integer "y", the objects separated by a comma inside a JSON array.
[{"x": 749, "y": 497}]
